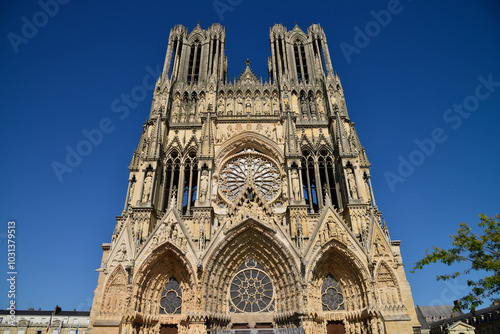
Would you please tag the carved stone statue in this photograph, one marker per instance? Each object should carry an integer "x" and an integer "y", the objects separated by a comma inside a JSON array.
[
  {"x": 215, "y": 188},
  {"x": 201, "y": 238},
  {"x": 266, "y": 107},
  {"x": 175, "y": 112},
  {"x": 220, "y": 107},
  {"x": 183, "y": 112},
  {"x": 203, "y": 186},
  {"x": 239, "y": 106},
  {"x": 257, "y": 106},
  {"x": 352, "y": 184},
  {"x": 284, "y": 188},
  {"x": 131, "y": 191},
  {"x": 295, "y": 185},
  {"x": 276, "y": 108},
  {"x": 248, "y": 107},
  {"x": 147, "y": 186}
]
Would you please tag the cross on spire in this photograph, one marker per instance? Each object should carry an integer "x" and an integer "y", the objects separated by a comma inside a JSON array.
[{"x": 247, "y": 62}]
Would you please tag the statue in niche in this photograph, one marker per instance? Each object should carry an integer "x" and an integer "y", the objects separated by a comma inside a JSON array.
[
  {"x": 183, "y": 112},
  {"x": 201, "y": 238},
  {"x": 286, "y": 103},
  {"x": 248, "y": 107},
  {"x": 201, "y": 104},
  {"x": 220, "y": 107},
  {"x": 266, "y": 107},
  {"x": 276, "y": 108},
  {"x": 299, "y": 233},
  {"x": 352, "y": 184},
  {"x": 295, "y": 185},
  {"x": 229, "y": 107},
  {"x": 203, "y": 186},
  {"x": 215, "y": 188},
  {"x": 131, "y": 191},
  {"x": 239, "y": 106},
  {"x": 257, "y": 106},
  {"x": 321, "y": 107},
  {"x": 284, "y": 188},
  {"x": 303, "y": 107},
  {"x": 147, "y": 186},
  {"x": 368, "y": 192},
  {"x": 175, "y": 111},
  {"x": 312, "y": 108},
  {"x": 192, "y": 111}
]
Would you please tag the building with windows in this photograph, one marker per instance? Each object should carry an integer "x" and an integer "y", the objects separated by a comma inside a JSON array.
[
  {"x": 250, "y": 205},
  {"x": 37, "y": 322}
]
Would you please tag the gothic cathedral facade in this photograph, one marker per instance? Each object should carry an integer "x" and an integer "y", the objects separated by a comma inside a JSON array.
[{"x": 250, "y": 204}]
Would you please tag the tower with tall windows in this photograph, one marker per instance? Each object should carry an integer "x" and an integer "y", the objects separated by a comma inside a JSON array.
[{"x": 249, "y": 204}]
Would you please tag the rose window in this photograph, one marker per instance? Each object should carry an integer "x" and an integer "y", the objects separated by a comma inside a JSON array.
[
  {"x": 331, "y": 295},
  {"x": 171, "y": 298},
  {"x": 250, "y": 165},
  {"x": 251, "y": 290}
]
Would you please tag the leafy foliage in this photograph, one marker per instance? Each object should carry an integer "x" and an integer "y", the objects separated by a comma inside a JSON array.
[{"x": 481, "y": 251}]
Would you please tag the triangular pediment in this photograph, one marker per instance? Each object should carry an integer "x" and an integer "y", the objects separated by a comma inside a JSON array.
[
  {"x": 170, "y": 230},
  {"x": 331, "y": 228},
  {"x": 248, "y": 76},
  {"x": 380, "y": 246},
  {"x": 459, "y": 325},
  {"x": 122, "y": 251}
]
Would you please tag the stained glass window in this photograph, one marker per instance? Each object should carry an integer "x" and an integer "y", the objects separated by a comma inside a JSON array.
[
  {"x": 251, "y": 289},
  {"x": 171, "y": 298},
  {"x": 250, "y": 164},
  {"x": 331, "y": 295}
]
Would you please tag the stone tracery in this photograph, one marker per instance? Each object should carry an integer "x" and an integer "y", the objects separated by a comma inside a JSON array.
[{"x": 247, "y": 182}]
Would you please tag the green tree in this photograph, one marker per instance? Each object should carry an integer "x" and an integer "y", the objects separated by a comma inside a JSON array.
[{"x": 482, "y": 252}]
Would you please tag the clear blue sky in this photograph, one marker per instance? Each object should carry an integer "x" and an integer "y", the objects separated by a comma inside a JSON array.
[{"x": 399, "y": 85}]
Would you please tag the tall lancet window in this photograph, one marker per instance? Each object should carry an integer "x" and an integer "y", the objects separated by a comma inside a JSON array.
[
  {"x": 172, "y": 172},
  {"x": 175, "y": 58},
  {"x": 300, "y": 62},
  {"x": 171, "y": 298},
  {"x": 190, "y": 183},
  {"x": 194, "y": 62},
  {"x": 327, "y": 176},
  {"x": 309, "y": 184}
]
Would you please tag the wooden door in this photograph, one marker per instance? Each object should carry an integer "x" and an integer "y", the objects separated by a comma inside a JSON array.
[
  {"x": 335, "y": 327},
  {"x": 168, "y": 329}
]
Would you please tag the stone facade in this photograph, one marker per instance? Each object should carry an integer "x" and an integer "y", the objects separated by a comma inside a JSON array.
[{"x": 250, "y": 204}]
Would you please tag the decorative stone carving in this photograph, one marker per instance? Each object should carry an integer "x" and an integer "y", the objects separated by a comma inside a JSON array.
[
  {"x": 351, "y": 183},
  {"x": 203, "y": 186},
  {"x": 295, "y": 184},
  {"x": 215, "y": 188},
  {"x": 248, "y": 201},
  {"x": 147, "y": 186}
]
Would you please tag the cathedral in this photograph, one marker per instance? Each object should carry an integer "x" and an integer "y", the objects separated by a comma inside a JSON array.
[{"x": 249, "y": 206}]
